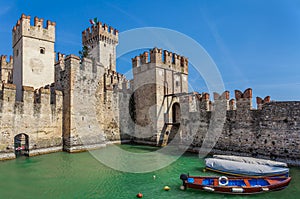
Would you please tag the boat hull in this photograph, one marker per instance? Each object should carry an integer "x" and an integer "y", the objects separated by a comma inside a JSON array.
[
  {"x": 230, "y": 173},
  {"x": 245, "y": 185}
]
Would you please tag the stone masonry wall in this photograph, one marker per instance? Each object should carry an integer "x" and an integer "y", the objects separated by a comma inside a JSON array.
[
  {"x": 91, "y": 104},
  {"x": 39, "y": 116},
  {"x": 272, "y": 132}
]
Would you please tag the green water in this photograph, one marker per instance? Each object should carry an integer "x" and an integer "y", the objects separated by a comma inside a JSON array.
[{"x": 63, "y": 175}]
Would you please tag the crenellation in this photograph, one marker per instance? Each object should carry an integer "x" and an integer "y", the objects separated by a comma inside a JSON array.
[
  {"x": 204, "y": 102},
  {"x": 4, "y": 64},
  {"x": 255, "y": 132},
  {"x": 24, "y": 29},
  {"x": 50, "y": 24},
  {"x": 101, "y": 41},
  {"x": 184, "y": 65},
  {"x": 8, "y": 92},
  {"x": 166, "y": 59},
  {"x": 6, "y": 69},
  {"x": 177, "y": 61},
  {"x": 112, "y": 79},
  {"x": 144, "y": 58},
  {"x": 136, "y": 62},
  {"x": 155, "y": 55},
  {"x": 105, "y": 27},
  {"x": 99, "y": 32},
  {"x": 3, "y": 60},
  {"x": 60, "y": 57},
  {"x": 223, "y": 97},
  {"x": 38, "y": 22},
  {"x": 28, "y": 94},
  {"x": 232, "y": 105},
  {"x": 111, "y": 30},
  {"x": 261, "y": 102},
  {"x": 243, "y": 100},
  {"x": 33, "y": 53},
  {"x": 8, "y": 98}
]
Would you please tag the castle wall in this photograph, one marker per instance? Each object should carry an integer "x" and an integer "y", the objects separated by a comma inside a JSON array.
[
  {"x": 126, "y": 119},
  {"x": 273, "y": 132},
  {"x": 91, "y": 104},
  {"x": 145, "y": 103},
  {"x": 34, "y": 116}
]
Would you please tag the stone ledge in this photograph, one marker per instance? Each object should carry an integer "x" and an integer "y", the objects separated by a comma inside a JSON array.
[
  {"x": 36, "y": 152},
  {"x": 7, "y": 156},
  {"x": 142, "y": 142},
  {"x": 82, "y": 148}
]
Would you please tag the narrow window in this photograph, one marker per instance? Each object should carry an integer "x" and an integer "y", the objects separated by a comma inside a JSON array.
[{"x": 42, "y": 50}]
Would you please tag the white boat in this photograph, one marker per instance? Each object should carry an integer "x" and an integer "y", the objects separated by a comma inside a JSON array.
[{"x": 240, "y": 168}]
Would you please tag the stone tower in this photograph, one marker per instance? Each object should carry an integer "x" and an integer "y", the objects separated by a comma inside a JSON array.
[
  {"x": 156, "y": 83},
  {"x": 33, "y": 53},
  {"x": 101, "y": 41},
  {"x": 6, "y": 69}
]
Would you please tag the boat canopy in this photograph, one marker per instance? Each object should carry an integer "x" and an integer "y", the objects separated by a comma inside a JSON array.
[
  {"x": 242, "y": 168},
  {"x": 251, "y": 160}
]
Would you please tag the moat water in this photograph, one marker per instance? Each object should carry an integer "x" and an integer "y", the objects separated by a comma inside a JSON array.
[{"x": 64, "y": 175}]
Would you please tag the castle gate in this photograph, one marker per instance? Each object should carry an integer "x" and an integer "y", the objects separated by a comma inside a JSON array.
[
  {"x": 176, "y": 113},
  {"x": 21, "y": 143}
]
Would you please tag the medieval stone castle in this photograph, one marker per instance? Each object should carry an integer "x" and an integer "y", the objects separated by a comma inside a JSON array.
[{"x": 51, "y": 102}]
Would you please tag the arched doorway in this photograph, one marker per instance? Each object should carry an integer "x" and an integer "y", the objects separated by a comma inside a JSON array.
[
  {"x": 21, "y": 145},
  {"x": 176, "y": 113}
]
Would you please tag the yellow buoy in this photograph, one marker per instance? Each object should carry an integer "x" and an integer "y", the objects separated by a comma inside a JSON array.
[
  {"x": 204, "y": 170},
  {"x": 166, "y": 188}
]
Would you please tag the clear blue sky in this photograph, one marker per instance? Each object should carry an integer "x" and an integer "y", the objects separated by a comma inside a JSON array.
[{"x": 254, "y": 43}]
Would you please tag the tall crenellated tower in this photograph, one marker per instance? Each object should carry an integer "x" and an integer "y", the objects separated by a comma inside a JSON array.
[
  {"x": 157, "y": 83},
  {"x": 33, "y": 53},
  {"x": 101, "y": 41}
]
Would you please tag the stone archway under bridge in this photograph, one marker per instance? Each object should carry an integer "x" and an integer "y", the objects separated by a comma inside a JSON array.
[
  {"x": 172, "y": 128},
  {"x": 21, "y": 145}
]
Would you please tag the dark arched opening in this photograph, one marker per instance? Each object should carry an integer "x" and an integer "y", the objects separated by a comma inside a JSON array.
[
  {"x": 176, "y": 113},
  {"x": 21, "y": 143}
]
